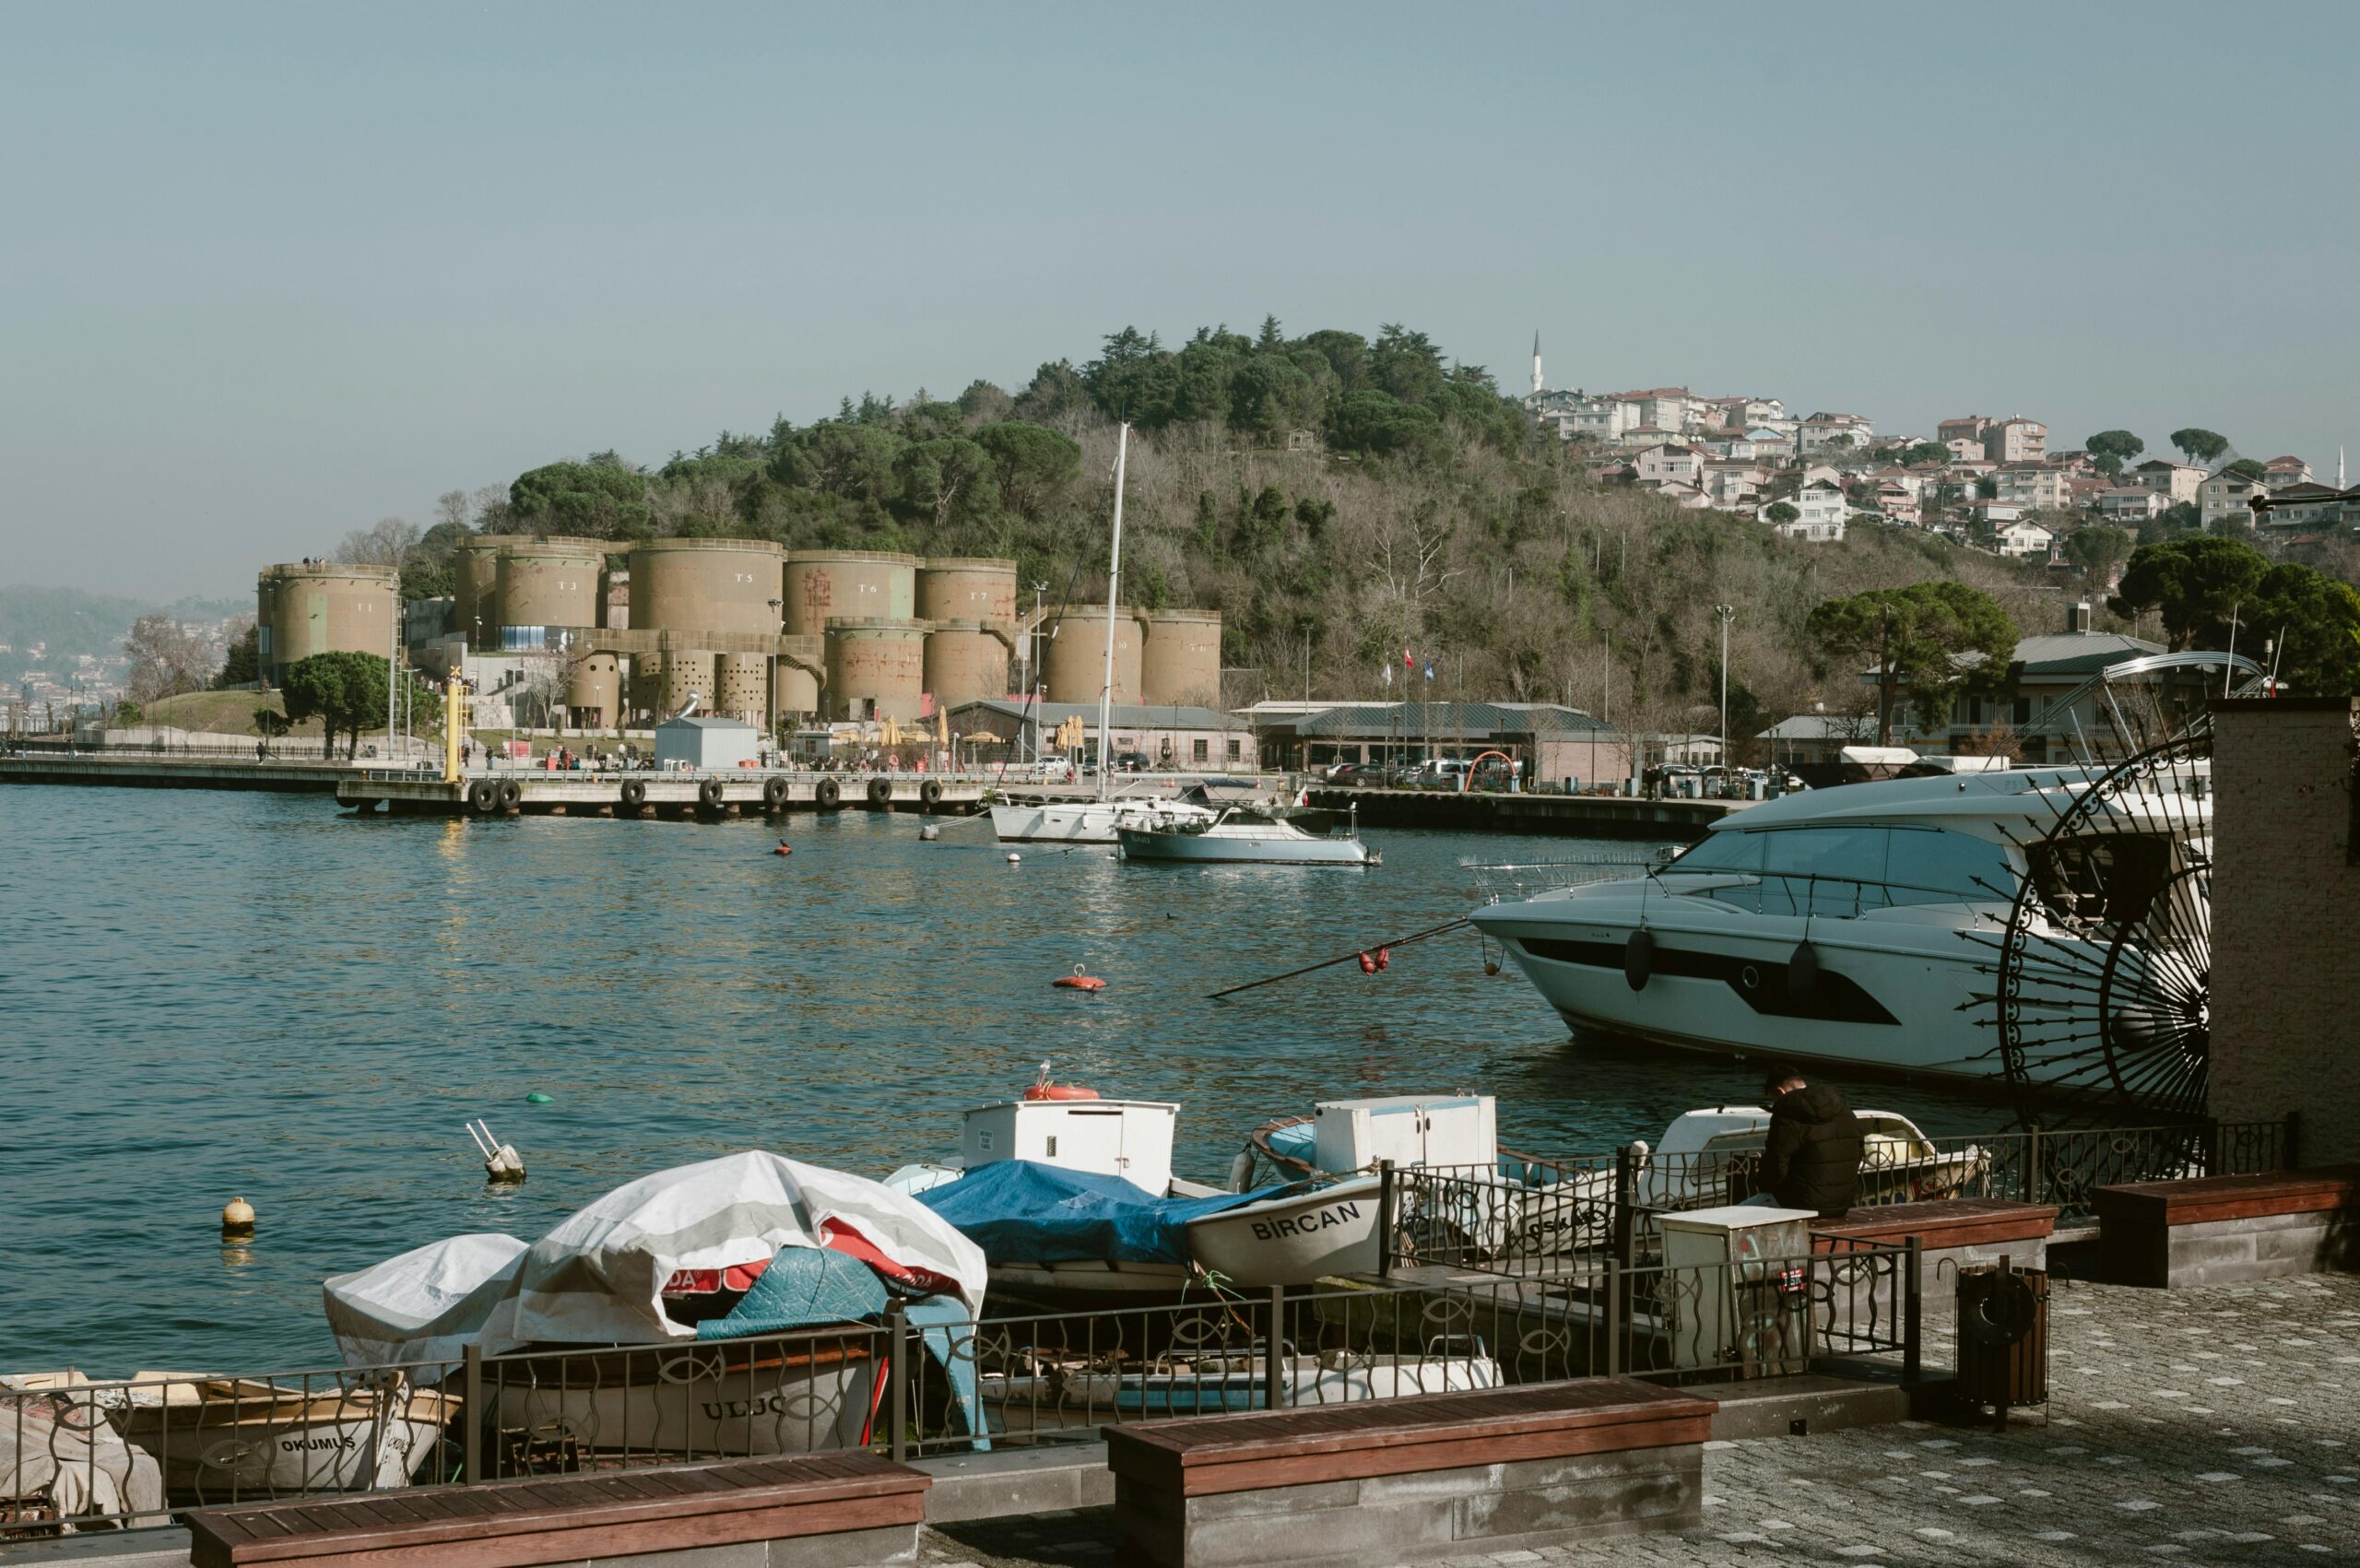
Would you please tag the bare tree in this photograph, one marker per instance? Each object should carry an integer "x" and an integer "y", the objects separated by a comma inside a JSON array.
[
  {"x": 167, "y": 659},
  {"x": 387, "y": 544},
  {"x": 452, "y": 507}
]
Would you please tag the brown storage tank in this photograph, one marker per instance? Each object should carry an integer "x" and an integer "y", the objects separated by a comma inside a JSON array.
[
  {"x": 1075, "y": 664},
  {"x": 1180, "y": 660},
  {"x": 965, "y": 588},
  {"x": 546, "y": 584},
  {"x": 824, "y": 585},
  {"x": 329, "y": 609},
  {"x": 799, "y": 691},
  {"x": 595, "y": 691},
  {"x": 876, "y": 668},
  {"x": 741, "y": 685},
  {"x": 964, "y": 662},
  {"x": 680, "y": 676},
  {"x": 689, "y": 585},
  {"x": 475, "y": 572},
  {"x": 266, "y": 621}
]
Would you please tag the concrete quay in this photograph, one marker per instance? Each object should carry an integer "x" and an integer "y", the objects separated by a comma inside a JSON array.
[
  {"x": 512, "y": 792},
  {"x": 165, "y": 771},
  {"x": 1564, "y": 815},
  {"x": 2215, "y": 1425}
]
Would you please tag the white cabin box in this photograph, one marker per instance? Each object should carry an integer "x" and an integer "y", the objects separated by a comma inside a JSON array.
[
  {"x": 1131, "y": 1139},
  {"x": 1409, "y": 1129},
  {"x": 1743, "y": 1298}
]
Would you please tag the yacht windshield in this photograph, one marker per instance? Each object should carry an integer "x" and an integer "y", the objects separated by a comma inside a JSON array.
[{"x": 1840, "y": 871}]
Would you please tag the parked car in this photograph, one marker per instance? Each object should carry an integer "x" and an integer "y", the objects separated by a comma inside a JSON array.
[{"x": 1132, "y": 763}]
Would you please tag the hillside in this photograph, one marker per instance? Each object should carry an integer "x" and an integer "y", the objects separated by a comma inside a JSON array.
[
  {"x": 1336, "y": 498},
  {"x": 70, "y": 621}
]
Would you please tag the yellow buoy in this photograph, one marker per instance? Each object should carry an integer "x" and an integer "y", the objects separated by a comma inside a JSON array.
[{"x": 237, "y": 1218}]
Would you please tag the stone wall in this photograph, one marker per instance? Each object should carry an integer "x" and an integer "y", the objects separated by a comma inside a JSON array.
[{"x": 2287, "y": 920}]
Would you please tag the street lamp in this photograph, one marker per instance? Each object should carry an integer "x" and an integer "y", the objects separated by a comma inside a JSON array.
[{"x": 1725, "y": 613}]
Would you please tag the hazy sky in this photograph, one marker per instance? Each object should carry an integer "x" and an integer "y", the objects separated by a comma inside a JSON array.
[{"x": 268, "y": 273}]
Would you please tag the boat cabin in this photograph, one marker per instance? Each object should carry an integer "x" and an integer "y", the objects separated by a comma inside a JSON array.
[
  {"x": 1130, "y": 1138},
  {"x": 1353, "y": 1135}
]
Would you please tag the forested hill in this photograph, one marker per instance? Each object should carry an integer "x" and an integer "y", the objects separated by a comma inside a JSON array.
[
  {"x": 68, "y": 622},
  {"x": 1335, "y": 496}
]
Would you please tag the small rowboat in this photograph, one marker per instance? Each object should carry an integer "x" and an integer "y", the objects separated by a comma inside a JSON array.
[
  {"x": 224, "y": 1439},
  {"x": 801, "y": 1395}
]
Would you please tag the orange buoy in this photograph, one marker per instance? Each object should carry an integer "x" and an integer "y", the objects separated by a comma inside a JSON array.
[
  {"x": 1059, "y": 1091},
  {"x": 783, "y": 848},
  {"x": 1385, "y": 958},
  {"x": 1077, "y": 981},
  {"x": 1368, "y": 964}
]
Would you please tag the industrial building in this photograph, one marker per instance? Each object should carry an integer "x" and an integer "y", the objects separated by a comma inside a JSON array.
[
  {"x": 608, "y": 635},
  {"x": 1174, "y": 738},
  {"x": 1558, "y": 744}
]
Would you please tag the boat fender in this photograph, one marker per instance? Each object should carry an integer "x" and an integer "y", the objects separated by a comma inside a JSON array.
[
  {"x": 483, "y": 797},
  {"x": 827, "y": 791},
  {"x": 635, "y": 794},
  {"x": 536, "y": 1098},
  {"x": 1384, "y": 957},
  {"x": 1802, "y": 973},
  {"x": 881, "y": 792},
  {"x": 1368, "y": 964},
  {"x": 774, "y": 794},
  {"x": 709, "y": 794},
  {"x": 1639, "y": 958},
  {"x": 1241, "y": 1169},
  {"x": 510, "y": 794},
  {"x": 930, "y": 793}
]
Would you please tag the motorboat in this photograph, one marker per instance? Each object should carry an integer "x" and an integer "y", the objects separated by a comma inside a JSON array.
[
  {"x": 1052, "y": 1391},
  {"x": 220, "y": 1440},
  {"x": 1295, "y": 1237},
  {"x": 64, "y": 1469},
  {"x": 1854, "y": 926},
  {"x": 1097, "y": 822},
  {"x": 1240, "y": 835},
  {"x": 728, "y": 1306}
]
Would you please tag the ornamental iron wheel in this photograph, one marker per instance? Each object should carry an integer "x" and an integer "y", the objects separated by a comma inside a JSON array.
[{"x": 2103, "y": 1004}]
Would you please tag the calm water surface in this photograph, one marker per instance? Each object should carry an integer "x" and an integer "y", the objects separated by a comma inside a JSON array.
[{"x": 212, "y": 995}]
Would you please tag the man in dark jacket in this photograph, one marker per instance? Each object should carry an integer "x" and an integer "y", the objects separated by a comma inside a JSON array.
[{"x": 1812, "y": 1158}]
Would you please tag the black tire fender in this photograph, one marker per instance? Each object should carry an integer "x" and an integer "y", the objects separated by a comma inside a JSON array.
[
  {"x": 709, "y": 794},
  {"x": 881, "y": 792},
  {"x": 634, "y": 793},
  {"x": 774, "y": 794},
  {"x": 930, "y": 792},
  {"x": 512, "y": 794},
  {"x": 828, "y": 793},
  {"x": 483, "y": 797}
]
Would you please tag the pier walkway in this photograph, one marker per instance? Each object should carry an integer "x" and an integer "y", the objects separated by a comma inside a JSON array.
[
  {"x": 2217, "y": 1425},
  {"x": 511, "y": 792},
  {"x": 1566, "y": 816}
]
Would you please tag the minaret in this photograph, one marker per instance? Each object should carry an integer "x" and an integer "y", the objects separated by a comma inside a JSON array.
[
  {"x": 2338, "y": 467},
  {"x": 1536, "y": 364}
]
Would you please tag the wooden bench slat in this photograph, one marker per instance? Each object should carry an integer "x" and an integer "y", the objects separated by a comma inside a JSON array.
[{"x": 2197, "y": 1200}]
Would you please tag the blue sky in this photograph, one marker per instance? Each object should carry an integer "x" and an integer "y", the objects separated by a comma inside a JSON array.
[{"x": 270, "y": 273}]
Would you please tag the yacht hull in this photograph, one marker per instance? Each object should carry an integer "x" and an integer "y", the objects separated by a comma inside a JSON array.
[
  {"x": 1092, "y": 821},
  {"x": 1208, "y": 849}
]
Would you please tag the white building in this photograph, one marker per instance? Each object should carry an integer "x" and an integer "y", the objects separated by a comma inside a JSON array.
[{"x": 1823, "y": 510}]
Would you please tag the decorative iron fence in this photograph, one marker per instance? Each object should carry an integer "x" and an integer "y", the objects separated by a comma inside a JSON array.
[{"x": 77, "y": 1456}]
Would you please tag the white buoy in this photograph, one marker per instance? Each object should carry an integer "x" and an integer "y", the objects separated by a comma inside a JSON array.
[
  {"x": 500, "y": 1161},
  {"x": 1013, "y": 858},
  {"x": 237, "y": 1218},
  {"x": 930, "y": 832}
]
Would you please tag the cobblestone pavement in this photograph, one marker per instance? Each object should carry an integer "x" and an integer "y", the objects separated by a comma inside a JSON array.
[{"x": 2219, "y": 1425}]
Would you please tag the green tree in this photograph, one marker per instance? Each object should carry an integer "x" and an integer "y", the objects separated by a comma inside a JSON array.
[
  {"x": 1925, "y": 452},
  {"x": 598, "y": 499},
  {"x": 2113, "y": 449},
  {"x": 2097, "y": 547},
  {"x": 2315, "y": 620},
  {"x": 1921, "y": 639},
  {"x": 849, "y": 459},
  {"x": 2245, "y": 469},
  {"x": 948, "y": 479},
  {"x": 2199, "y": 444},
  {"x": 1784, "y": 511},
  {"x": 2195, "y": 581},
  {"x": 1032, "y": 464},
  {"x": 1382, "y": 425},
  {"x": 127, "y": 715},
  {"x": 243, "y": 666}
]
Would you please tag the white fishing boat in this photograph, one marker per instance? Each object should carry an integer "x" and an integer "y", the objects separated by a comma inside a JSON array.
[
  {"x": 1240, "y": 835},
  {"x": 219, "y": 1439},
  {"x": 1854, "y": 926},
  {"x": 1292, "y": 1239},
  {"x": 64, "y": 1467},
  {"x": 808, "y": 1394},
  {"x": 1059, "y": 1394}
]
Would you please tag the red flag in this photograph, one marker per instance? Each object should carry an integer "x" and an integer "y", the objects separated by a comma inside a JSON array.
[{"x": 1408, "y": 661}]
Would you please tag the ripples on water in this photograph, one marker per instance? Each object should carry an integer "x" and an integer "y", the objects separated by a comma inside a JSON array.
[{"x": 223, "y": 994}]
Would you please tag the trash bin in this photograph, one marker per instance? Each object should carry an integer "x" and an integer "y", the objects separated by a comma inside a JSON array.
[{"x": 2002, "y": 1338}]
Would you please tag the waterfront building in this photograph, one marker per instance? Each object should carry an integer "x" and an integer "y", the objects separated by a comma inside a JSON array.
[
  {"x": 1557, "y": 742},
  {"x": 1174, "y": 737}
]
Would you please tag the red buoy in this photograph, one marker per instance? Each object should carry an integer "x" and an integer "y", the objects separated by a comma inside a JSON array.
[
  {"x": 783, "y": 848},
  {"x": 1059, "y": 1091},
  {"x": 1368, "y": 964},
  {"x": 1078, "y": 982},
  {"x": 1385, "y": 958}
]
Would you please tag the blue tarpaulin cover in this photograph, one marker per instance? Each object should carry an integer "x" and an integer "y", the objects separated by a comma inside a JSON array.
[
  {"x": 803, "y": 1286},
  {"x": 1022, "y": 1212}
]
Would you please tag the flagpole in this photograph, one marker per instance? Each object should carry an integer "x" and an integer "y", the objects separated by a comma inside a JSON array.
[{"x": 1114, "y": 589}]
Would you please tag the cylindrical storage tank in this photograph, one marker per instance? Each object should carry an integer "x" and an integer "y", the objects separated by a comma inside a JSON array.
[
  {"x": 798, "y": 690},
  {"x": 475, "y": 575},
  {"x": 331, "y": 609},
  {"x": 956, "y": 588},
  {"x": 876, "y": 668},
  {"x": 704, "y": 586},
  {"x": 825, "y": 586},
  {"x": 680, "y": 675},
  {"x": 596, "y": 690},
  {"x": 546, "y": 584},
  {"x": 267, "y": 625},
  {"x": 741, "y": 687},
  {"x": 1075, "y": 665},
  {"x": 964, "y": 662},
  {"x": 1180, "y": 659}
]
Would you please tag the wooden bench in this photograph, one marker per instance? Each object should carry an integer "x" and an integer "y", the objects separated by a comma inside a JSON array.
[
  {"x": 1426, "y": 1477},
  {"x": 821, "y": 1511},
  {"x": 2218, "y": 1230},
  {"x": 1952, "y": 1233}
]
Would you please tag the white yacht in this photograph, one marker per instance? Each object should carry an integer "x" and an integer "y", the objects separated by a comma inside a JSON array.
[
  {"x": 1095, "y": 821},
  {"x": 1858, "y": 925},
  {"x": 1241, "y": 836}
]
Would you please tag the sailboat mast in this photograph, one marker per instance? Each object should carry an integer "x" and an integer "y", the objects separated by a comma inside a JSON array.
[{"x": 1114, "y": 595}]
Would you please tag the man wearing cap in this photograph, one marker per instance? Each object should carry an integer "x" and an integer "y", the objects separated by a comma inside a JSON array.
[{"x": 1812, "y": 1158}]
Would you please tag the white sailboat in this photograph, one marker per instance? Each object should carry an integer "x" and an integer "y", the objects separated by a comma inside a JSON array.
[{"x": 1097, "y": 822}]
